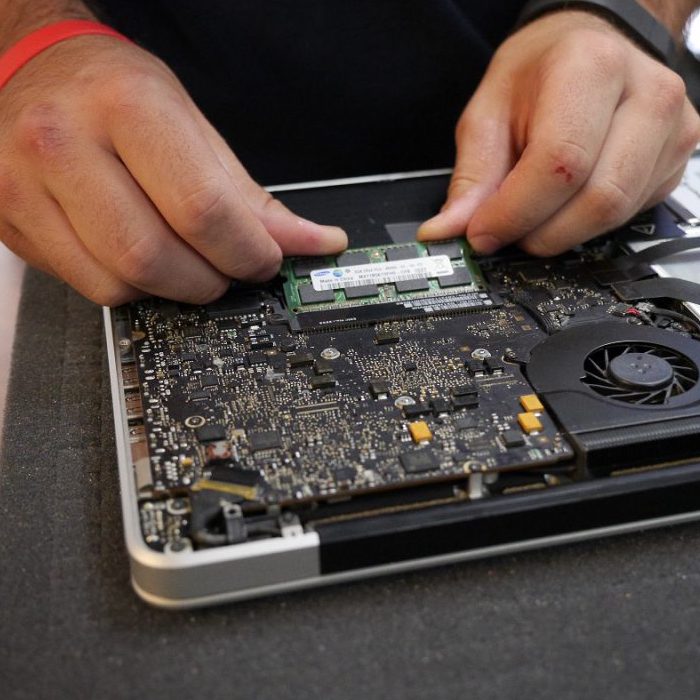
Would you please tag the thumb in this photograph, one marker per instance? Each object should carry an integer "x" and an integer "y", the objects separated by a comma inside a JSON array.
[
  {"x": 294, "y": 234},
  {"x": 483, "y": 161}
]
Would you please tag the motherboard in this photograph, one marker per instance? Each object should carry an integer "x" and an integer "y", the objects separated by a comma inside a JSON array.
[{"x": 399, "y": 375}]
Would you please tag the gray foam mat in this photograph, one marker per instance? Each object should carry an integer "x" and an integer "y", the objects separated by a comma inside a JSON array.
[{"x": 615, "y": 618}]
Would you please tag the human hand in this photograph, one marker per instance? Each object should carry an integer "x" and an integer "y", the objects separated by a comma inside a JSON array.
[
  {"x": 573, "y": 130},
  {"x": 112, "y": 180}
]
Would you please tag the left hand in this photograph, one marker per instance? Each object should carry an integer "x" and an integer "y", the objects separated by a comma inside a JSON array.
[{"x": 573, "y": 130}]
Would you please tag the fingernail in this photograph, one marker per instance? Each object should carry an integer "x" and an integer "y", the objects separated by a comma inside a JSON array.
[
  {"x": 485, "y": 244},
  {"x": 431, "y": 228},
  {"x": 332, "y": 238}
]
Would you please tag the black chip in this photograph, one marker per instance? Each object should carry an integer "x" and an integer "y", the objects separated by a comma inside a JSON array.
[
  {"x": 453, "y": 250},
  {"x": 322, "y": 366},
  {"x": 474, "y": 367},
  {"x": 301, "y": 359},
  {"x": 344, "y": 474},
  {"x": 212, "y": 432},
  {"x": 365, "y": 290},
  {"x": 235, "y": 475},
  {"x": 378, "y": 387},
  {"x": 460, "y": 457},
  {"x": 324, "y": 381},
  {"x": 225, "y": 352},
  {"x": 262, "y": 343},
  {"x": 352, "y": 258},
  {"x": 463, "y": 390},
  {"x": 191, "y": 332},
  {"x": 257, "y": 358},
  {"x": 469, "y": 401},
  {"x": 440, "y": 406},
  {"x": 200, "y": 395},
  {"x": 406, "y": 252},
  {"x": 419, "y": 461},
  {"x": 304, "y": 266},
  {"x": 466, "y": 423},
  {"x": 188, "y": 357},
  {"x": 493, "y": 364},
  {"x": 459, "y": 277},
  {"x": 173, "y": 372},
  {"x": 309, "y": 295},
  {"x": 419, "y": 285},
  {"x": 513, "y": 438},
  {"x": 227, "y": 323},
  {"x": 264, "y": 440},
  {"x": 278, "y": 363},
  {"x": 209, "y": 380},
  {"x": 386, "y": 337},
  {"x": 288, "y": 346},
  {"x": 409, "y": 366},
  {"x": 417, "y": 409}
]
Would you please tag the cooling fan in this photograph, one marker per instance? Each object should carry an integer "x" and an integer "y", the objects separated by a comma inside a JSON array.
[
  {"x": 626, "y": 395},
  {"x": 641, "y": 374}
]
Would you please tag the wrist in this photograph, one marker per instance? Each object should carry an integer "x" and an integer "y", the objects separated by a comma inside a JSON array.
[
  {"x": 36, "y": 42},
  {"x": 627, "y": 16},
  {"x": 19, "y": 19}
]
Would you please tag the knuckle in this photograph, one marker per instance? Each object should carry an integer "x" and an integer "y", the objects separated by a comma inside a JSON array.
[
  {"x": 688, "y": 138},
  {"x": 199, "y": 209},
  {"x": 124, "y": 91},
  {"x": 540, "y": 246},
  {"x": 609, "y": 204},
  {"x": 139, "y": 262},
  {"x": 264, "y": 267},
  {"x": 42, "y": 131},
  {"x": 571, "y": 160},
  {"x": 608, "y": 56},
  {"x": 213, "y": 291},
  {"x": 669, "y": 93},
  {"x": 110, "y": 293}
]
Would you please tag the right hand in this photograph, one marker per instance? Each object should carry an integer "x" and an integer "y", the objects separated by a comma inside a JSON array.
[{"x": 112, "y": 180}]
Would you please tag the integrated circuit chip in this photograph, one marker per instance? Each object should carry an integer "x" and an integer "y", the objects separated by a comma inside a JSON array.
[{"x": 418, "y": 461}]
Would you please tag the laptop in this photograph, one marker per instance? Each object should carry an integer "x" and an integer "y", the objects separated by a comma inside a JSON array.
[{"x": 406, "y": 405}]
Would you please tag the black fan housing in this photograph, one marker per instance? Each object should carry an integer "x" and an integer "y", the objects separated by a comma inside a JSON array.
[{"x": 626, "y": 395}]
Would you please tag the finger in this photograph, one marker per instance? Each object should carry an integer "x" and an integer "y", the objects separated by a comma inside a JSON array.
[
  {"x": 54, "y": 247},
  {"x": 121, "y": 229},
  {"x": 567, "y": 131},
  {"x": 165, "y": 150},
  {"x": 484, "y": 157},
  {"x": 294, "y": 234},
  {"x": 665, "y": 190},
  {"x": 14, "y": 240},
  {"x": 672, "y": 163},
  {"x": 615, "y": 191}
]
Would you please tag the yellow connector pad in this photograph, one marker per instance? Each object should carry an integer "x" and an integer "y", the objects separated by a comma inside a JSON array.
[
  {"x": 420, "y": 431},
  {"x": 531, "y": 403},
  {"x": 529, "y": 422}
]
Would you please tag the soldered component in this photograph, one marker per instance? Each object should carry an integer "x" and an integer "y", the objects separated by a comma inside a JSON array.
[
  {"x": 530, "y": 423},
  {"x": 420, "y": 431},
  {"x": 531, "y": 403}
]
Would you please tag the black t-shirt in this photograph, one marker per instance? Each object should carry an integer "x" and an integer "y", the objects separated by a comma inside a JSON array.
[{"x": 314, "y": 89}]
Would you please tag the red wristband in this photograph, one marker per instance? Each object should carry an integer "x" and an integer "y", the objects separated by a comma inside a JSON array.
[{"x": 28, "y": 47}]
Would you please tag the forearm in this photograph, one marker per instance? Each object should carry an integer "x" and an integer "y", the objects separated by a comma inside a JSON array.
[
  {"x": 673, "y": 13},
  {"x": 19, "y": 17}
]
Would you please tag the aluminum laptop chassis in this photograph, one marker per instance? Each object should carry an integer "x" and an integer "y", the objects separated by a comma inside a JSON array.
[{"x": 384, "y": 542}]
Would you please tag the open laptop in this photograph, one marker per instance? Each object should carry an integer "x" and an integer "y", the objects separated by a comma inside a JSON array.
[{"x": 406, "y": 405}]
